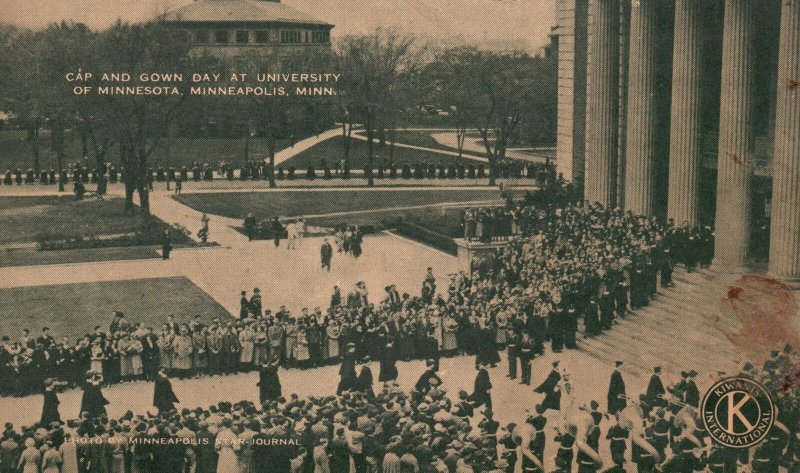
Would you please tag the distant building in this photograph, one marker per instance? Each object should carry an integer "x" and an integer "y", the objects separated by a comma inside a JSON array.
[{"x": 231, "y": 28}]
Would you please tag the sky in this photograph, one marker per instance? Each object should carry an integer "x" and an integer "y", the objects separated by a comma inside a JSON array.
[{"x": 515, "y": 23}]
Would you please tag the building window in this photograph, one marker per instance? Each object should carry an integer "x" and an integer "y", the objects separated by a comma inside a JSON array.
[
  {"x": 291, "y": 37},
  {"x": 242, "y": 37},
  {"x": 201, "y": 37},
  {"x": 321, "y": 37},
  {"x": 262, "y": 36},
  {"x": 306, "y": 36},
  {"x": 221, "y": 36}
]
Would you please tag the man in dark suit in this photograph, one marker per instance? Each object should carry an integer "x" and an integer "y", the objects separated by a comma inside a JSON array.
[
  {"x": 616, "y": 387},
  {"x": 326, "y": 255},
  {"x": 525, "y": 351},
  {"x": 552, "y": 396},
  {"x": 655, "y": 390},
  {"x": 481, "y": 394}
]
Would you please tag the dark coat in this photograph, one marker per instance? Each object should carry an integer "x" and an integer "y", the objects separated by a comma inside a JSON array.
[
  {"x": 552, "y": 398},
  {"x": 388, "y": 369},
  {"x": 655, "y": 388},
  {"x": 269, "y": 386},
  {"x": 364, "y": 381},
  {"x": 692, "y": 395},
  {"x": 50, "y": 407},
  {"x": 615, "y": 388},
  {"x": 480, "y": 394},
  {"x": 164, "y": 397},
  {"x": 424, "y": 383},
  {"x": 347, "y": 375},
  {"x": 93, "y": 400}
]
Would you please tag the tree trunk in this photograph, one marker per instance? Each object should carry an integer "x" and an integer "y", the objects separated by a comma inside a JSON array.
[
  {"x": 100, "y": 163},
  {"x": 271, "y": 151},
  {"x": 144, "y": 201},
  {"x": 129, "y": 173},
  {"x": 33, "y": 134},
  {"x": 492, "y": 169},
  {"x": 347, "y": 130},
  {"x": 58, "y": 129},
  {"x": 370, "y": 157},
  {"x": 392, "y": 137}
]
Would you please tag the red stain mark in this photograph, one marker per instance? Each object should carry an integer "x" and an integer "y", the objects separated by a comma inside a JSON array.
[
  {"x": 793, "y": 84},
  {"x": 735, "y": 158},
  {"x": 764, "y": 308}
]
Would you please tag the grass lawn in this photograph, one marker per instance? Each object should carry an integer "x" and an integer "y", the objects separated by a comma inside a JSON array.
[
  {"x": 31, "y": 257},
  {"x": 16, "y": 151},
  {"x": 74, "y": 309},
  {"x": 295, "y": 203},
  {"x": 22, "y": 218},
  {"x": 332, "y": 151}
]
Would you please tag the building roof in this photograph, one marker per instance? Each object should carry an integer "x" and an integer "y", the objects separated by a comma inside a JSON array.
[{"x": 242, "y": 11}]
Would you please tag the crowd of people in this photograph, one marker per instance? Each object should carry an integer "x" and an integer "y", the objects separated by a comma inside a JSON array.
[
  {"x": 254, "y": 170},
  {"x": 571, "y": 266},
  {"x": 424, "y": 430},
  {"x": 565, "y": 269}
]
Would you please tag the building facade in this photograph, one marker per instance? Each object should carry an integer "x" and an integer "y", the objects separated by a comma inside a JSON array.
[
  {"x": 689, "y": 110},
  {"x": 231, "y": 28}
]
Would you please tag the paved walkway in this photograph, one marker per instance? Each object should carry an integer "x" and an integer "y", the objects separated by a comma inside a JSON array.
[{"x": 475, "y": 145}]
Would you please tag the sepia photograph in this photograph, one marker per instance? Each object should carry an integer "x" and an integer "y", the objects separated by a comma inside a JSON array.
[{"x": 399, "y": 236}]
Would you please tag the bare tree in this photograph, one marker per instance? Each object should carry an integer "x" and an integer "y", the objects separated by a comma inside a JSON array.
[{"x": 373, "y": 69}]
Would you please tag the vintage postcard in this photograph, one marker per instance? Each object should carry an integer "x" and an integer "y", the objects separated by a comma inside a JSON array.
[{"x": 399, "y": 236}]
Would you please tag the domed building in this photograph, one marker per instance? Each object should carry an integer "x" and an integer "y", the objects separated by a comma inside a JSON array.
[{"x": 231, "y": 28}]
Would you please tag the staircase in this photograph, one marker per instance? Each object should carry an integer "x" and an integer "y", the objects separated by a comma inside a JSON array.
[{"x": 680, "y": 330}]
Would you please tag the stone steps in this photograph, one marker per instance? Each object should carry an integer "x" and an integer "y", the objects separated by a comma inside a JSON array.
[{"x": 678, "y": 331}]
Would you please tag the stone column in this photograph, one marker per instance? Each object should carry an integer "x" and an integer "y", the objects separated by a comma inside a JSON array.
[
  {"x": 641, "y": 129},
  {"x": 734, "y": 159},
  {"x": 784, "y": 246},
  {"x": 685, "y": 159},
  {"x": 603, "y": 104}
]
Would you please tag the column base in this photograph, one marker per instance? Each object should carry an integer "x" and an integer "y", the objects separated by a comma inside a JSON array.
[
  {"x": 722, "y": 267},
  {"x": 791, "y": 281}
]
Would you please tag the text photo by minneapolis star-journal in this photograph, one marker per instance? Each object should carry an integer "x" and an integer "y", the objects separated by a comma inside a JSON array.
[{"x": 399, "y": 236}]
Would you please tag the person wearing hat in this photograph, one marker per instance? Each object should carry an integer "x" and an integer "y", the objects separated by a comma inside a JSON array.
[
  {"x": 655, "y": 390},
  {"x": 164, "y": 398},
  {"x": 388, "y": 368},
  {"x": 481, "y": 393},
  {"x": 269, "y": 385},
  {"x": 423, "y": 385},
  {"x": 616, "y": 390},
  {"x": 93, "y": 402},
  {"x": 525, "y": 354},
  {"x": 365, "y": 380},
  {"x": 326, "y": 255},
  {"x": 347, "y": 371},
  {"x": 50, "y": 405},
  {"x": 549, "y": 387}
]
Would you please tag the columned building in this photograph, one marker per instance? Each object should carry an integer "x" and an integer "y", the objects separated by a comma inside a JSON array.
[{"x": 688, "y": 110}]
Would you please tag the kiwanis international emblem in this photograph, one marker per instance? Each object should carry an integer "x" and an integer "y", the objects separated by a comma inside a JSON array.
[{"x": 738, "y": 412}]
